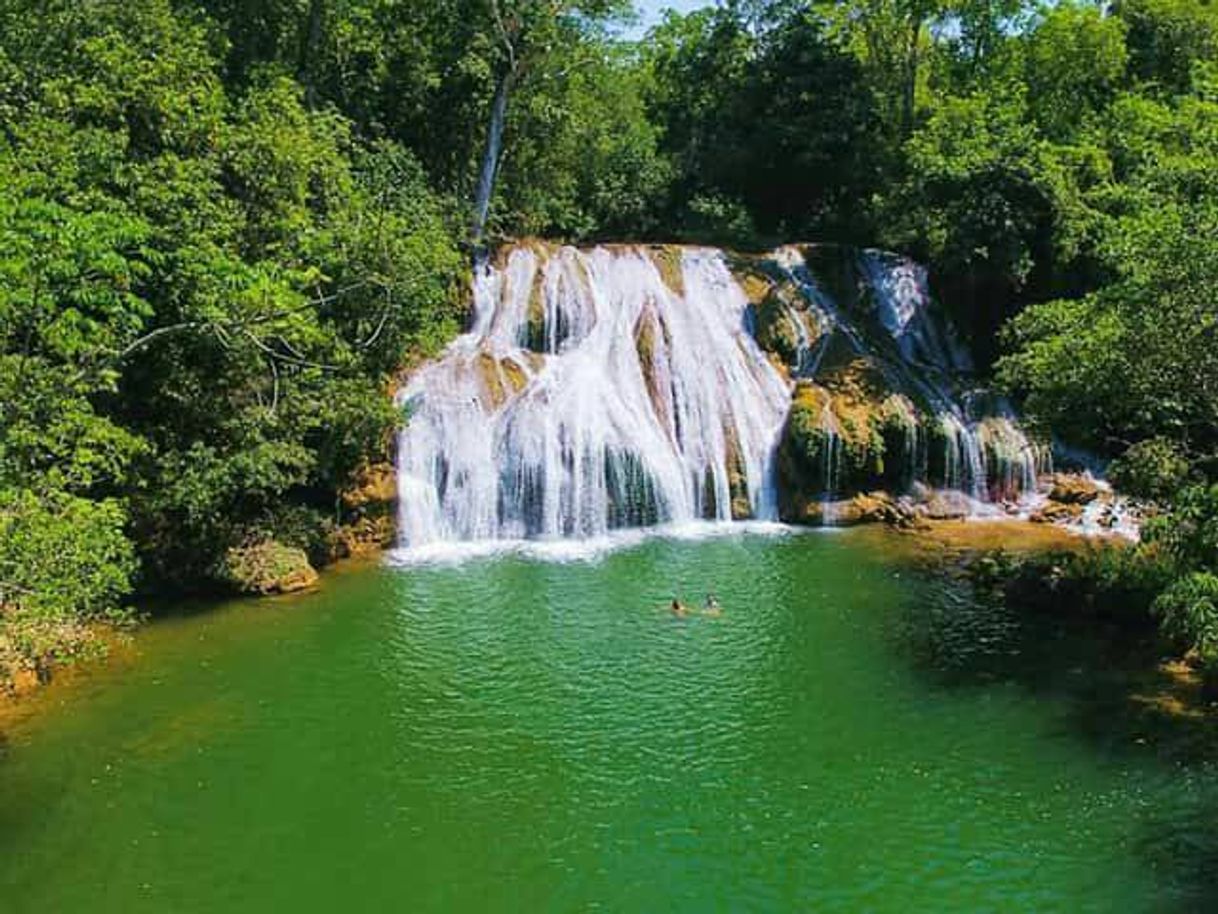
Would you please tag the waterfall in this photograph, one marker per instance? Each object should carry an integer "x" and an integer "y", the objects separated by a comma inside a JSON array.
[
  {"x": 594, "y": 390},
  {"x": 624, "y": 387},
  {"x": 889, "y": 320},
  {"x": 832, "y": 468}
]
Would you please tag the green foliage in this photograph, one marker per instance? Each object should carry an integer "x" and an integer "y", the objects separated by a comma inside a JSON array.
[
  {"x": 1188, "y": 614},
  {"x": 206, "y": 285},
  {"x": 1114, "y": 582},
  {"x": 586, "y": 159},
  {"x": 61, "y": 557},
  {"x": 64, "y": 563},
  {"x": 1167, "y": 38},
  {"x": 1154, "y": 469},
  {"x": 1075, "y": 60},
  {"x": 747, "y": 123},
  {"x": 1130, "y": 362},
  {"x": 1188, "y": 532},
  {"x": 1170, "y": 578}
]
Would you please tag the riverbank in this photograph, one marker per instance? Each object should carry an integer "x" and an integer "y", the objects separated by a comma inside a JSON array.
[{"x": 122, "y": 645}]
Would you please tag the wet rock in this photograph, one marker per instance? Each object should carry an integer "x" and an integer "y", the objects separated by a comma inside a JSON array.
[
  {"x": 782, "y": 321},
  {"x": 881, "y": 508},
  {"x": 364, "y": 535},
  {"x": 500, "y": 379},
  {"x": 376, "y": 484},
  {"x": 669, "y": 261},
  {"x": 369, "y": 514},
  {"x": 1074, "y": 489},
  {"x": 945, "y": 505},
  {"x": 864, "y": 508},
  {"x": 1056, "y": 512}
]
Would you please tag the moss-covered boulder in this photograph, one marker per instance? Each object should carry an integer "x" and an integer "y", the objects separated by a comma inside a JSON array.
[
  {"x": 267, "y": 567},
  {"x": 783, "y": 321},
  {"x": 846, "y": 433}
]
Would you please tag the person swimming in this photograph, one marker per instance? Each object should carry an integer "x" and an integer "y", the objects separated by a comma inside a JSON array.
[
  {"x": 712, "y": 607},
  {"x": 678, "y": 608}
]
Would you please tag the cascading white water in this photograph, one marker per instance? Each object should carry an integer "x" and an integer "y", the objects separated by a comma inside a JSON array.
[
  {"x": 903, "y": 305},
  {"x": 623, "y": 387},
  {"x": 986, "y": 457},
  {"x": 831, "y": 470},
  {"x": 589, "y": 395}
]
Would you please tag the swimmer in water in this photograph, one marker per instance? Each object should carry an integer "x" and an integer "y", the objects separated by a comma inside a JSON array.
[
  {"x": 712, "y": 606},
  {"x": 678, "y": 608}
]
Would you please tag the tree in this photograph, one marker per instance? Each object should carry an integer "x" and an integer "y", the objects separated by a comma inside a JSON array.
[
  {"x": 1075, "y": 63},
  {"x": 1167, "y": 38},
  {"x": 527, "y": 31}
]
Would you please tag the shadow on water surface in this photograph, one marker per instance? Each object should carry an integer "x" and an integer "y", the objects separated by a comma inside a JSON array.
[{"x": 1110, "y": 689}]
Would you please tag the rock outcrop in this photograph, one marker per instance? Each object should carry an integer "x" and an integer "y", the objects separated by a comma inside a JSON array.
[
  {"x": 882, "y": 396},
  {"x": 369, "y": 510},
  {"x": 267, "y": 567}
]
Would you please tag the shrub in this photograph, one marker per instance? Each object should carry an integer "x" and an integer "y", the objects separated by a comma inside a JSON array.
[
  {"x": 1188, "y": 533},
  {"x": 64, "y": 564},
  {"x": 267, "y": 567},
  {"x": 1188, "y": 614},
  {"x": 1154, "y": 468},
  {"x": 1110, "y": 581}
]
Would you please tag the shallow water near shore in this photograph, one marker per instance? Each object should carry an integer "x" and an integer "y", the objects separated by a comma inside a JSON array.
[{"x": 513, "y": 733}]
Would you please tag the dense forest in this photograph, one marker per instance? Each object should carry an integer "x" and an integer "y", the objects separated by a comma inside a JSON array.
[{"x": 226, "y": 227}]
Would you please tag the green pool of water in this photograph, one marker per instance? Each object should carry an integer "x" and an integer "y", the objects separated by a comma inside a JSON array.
[{"x": 519, "y": 735}]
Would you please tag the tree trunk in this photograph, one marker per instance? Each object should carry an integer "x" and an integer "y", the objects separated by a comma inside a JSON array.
[
  {"x": 910, "y": 87},
  {"x": 491, "y": 154},
  {"x": 310, "y": 47}
]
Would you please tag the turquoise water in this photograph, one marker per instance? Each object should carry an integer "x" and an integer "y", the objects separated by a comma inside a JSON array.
[{"x": 512, "y": 734}]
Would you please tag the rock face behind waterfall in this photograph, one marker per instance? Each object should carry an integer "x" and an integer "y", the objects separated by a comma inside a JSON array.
[{"x": 633, "y": 386}]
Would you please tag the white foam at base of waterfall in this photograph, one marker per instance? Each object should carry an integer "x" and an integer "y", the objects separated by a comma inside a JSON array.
[{"x": 590, "y": 549}]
